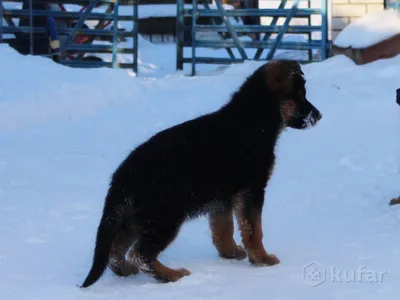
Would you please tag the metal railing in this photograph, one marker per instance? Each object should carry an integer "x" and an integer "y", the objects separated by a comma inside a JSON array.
[
  {"x": 70, "y": 43},
  {"x": 229, "y": 36}
]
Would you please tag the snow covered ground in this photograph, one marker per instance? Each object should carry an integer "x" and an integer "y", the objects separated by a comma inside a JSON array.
[{"x": 65, "y": 130}]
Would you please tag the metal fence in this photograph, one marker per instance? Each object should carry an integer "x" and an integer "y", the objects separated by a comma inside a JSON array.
[
  {"x": 86, "y": 33},
  {"x": 85, "y": 37},
  {"x": 244, "y": 32}
]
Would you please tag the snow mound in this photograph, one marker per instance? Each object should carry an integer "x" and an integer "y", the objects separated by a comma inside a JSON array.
[
  {"x": 369, "y": 30},
  {"x": 327, "y": 199},
  {"x": 35, "y": 89}
]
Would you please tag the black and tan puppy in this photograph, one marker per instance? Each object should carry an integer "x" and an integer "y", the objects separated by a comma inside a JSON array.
[{"x": 217, "y": 164}]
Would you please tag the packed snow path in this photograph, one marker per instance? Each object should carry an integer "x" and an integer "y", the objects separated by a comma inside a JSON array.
[{"x": 327, "y": 201}]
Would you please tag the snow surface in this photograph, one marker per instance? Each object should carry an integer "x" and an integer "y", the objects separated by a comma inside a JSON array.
[
  {"x": 369, "y": 29},
  {"x": 63, "y": 132}
]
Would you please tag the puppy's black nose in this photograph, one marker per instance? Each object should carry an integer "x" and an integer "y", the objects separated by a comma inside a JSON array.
[{"x": 398, "y": 96}]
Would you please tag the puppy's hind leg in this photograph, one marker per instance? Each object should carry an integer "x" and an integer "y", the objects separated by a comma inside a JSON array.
[
  {"x": 150, "y": 243},
  {"x": 117, "y": 262}
]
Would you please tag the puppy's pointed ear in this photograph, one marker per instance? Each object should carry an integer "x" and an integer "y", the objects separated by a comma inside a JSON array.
[
  {"x": 295, "y": 69},
  {"x": 280, "y": 74}
]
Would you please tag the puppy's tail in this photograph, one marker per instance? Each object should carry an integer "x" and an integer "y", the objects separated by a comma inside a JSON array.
[{"x": 106, "y": 234}]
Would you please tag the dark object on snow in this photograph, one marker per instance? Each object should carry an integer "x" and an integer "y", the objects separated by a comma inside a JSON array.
[
  {"x": 395, "y": 201},
  {"x": 217, "y": 164},
  {"x": 92, "y": 58}
]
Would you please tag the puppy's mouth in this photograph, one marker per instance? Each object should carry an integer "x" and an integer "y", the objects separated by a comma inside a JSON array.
[
  {"x": 307, "y": 121},
  {"x": 312, "y": 119}
]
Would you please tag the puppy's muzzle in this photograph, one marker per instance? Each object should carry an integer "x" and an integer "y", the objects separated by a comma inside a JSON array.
[
  {"x": 313, "y": 117},
  {"x": 316, "y": 115}
]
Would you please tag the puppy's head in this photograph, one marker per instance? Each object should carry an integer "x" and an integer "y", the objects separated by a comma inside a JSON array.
[{"x": 286, "y": 80}]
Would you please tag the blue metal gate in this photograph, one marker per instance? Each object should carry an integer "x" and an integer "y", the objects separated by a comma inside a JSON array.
[
  {"x": 39, "y": 31},
  {"x": 219, "y": 19}
]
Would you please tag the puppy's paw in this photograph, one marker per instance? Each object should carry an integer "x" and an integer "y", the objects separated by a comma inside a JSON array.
[
  {"x": 175, "y": 275},
  {"x": 266, "y": 260},
  {"x": 237, "y": 253}
]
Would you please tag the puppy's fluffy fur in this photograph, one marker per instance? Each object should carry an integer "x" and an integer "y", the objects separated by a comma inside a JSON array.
[{"x": 217, "y": 164}]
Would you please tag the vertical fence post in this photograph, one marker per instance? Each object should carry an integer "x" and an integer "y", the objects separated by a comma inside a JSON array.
[
  {"x": 309, "y": 35},
  {"x": 324, "y": 29},
  {"x": 115, "y": 35},
  {"x": 194, "y": 15},
  {"x": 179, "y": 34},
  {"x": 136, "y": 36},
  {"x": 30, "y": 27},
  {"x": 1, "y": 21}
]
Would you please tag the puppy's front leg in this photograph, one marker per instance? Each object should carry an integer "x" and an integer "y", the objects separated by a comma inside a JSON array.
[
  {"x": 221, "y": 224},
  {"x": 248, "y": 211}
]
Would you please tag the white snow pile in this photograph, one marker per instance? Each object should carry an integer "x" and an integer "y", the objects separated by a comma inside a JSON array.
[
  {"x": 36, "y": 89},
  {"x": 63, "y": 132},
  {"x": 369, "y": 30}
]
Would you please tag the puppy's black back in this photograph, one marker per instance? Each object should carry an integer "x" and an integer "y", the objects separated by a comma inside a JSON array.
[{"x": 206, "y": 158}]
